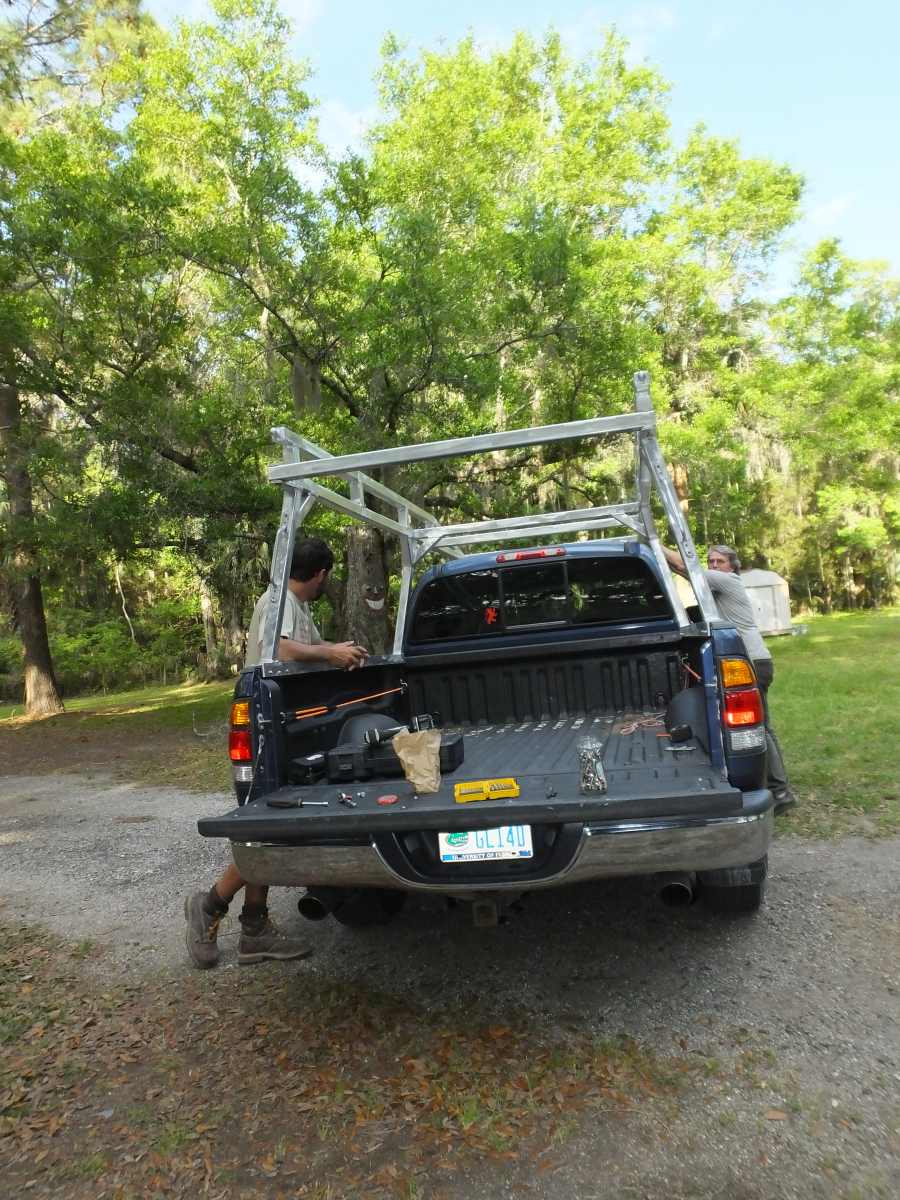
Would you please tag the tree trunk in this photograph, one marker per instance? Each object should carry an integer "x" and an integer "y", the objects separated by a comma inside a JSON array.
[
  {"x": 365, "y": 594},
  {"x": 681, "y": 484},
  {"x": 334, "y": 627},
  {"x": 42, "y": 697},
  {"x": 209, "y": 629},
  {"x": 235, "y": 633}
]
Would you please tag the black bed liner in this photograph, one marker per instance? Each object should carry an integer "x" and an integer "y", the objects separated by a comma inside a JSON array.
[{"x": 645, "y": 780}]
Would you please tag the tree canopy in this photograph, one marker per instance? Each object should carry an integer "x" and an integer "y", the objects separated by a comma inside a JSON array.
[{"x": 184, "y": 264}]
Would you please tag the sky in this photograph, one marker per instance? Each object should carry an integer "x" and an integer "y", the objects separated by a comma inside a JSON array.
[{"x": 814, "y": 85}]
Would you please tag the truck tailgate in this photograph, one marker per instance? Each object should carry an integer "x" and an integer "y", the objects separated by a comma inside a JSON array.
[{"x": 646, "y": 779}]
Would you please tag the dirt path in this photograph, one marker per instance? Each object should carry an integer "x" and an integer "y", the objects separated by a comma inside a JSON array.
[{"x": 667, "y": 1053}]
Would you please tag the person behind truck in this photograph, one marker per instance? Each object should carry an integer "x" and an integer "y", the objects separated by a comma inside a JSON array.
[
  {"x": 733, "y": 603},
  {"x": 300, "y": 641}
]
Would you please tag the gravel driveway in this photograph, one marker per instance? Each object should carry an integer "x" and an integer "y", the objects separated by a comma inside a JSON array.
[{"x": 793, "y": 1016}]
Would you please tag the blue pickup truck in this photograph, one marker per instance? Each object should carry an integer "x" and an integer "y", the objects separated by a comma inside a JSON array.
[{"x": 518, "y": 657}]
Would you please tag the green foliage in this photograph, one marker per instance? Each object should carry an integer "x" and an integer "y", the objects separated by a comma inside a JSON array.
[{"x": 518, "y": 236}]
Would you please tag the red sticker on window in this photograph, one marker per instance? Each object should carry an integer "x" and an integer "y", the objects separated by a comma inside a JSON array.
[{"x": 490, "y": 615}]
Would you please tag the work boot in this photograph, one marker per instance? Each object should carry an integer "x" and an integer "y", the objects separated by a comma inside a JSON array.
[
  {"x": 202, "y": 928},
  {"x": 270, "y": 942},
  {"x": 784, "y": 800}
]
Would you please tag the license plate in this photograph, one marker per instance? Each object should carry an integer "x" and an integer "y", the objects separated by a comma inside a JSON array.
[{"x": 483, "y": 845}]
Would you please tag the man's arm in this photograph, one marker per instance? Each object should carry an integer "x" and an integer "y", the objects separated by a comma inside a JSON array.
[
  {"x": 675, "y": 561},
  {"x": 335, "y": 654}
]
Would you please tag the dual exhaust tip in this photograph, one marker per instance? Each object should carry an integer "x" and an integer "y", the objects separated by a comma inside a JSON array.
[{"x": 679, "y": 889}]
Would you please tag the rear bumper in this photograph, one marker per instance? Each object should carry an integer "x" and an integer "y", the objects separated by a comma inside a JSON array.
[{"x": 606, "y": 850}]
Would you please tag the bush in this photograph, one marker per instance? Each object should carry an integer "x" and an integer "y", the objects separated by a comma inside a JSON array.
[
  {"x": 12, "y": 679},
  {"x": 101, "y": 656}
]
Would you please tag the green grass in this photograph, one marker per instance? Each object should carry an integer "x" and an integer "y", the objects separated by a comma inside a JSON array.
[
  {"x": 145, "y": 735},
  {"x": 163, "y": 707},
  {"x": 835, "y": 704}
]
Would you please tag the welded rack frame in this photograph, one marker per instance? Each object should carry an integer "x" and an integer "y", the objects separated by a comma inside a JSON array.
[{"x": 419, "y": 532}]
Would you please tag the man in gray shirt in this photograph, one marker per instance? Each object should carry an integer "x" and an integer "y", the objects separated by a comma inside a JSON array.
[
  {"x": 300, "y": 641},
  {"x": 733, "y": 603}
]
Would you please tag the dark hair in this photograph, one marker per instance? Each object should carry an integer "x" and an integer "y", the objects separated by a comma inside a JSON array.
[
  {"x": 730, "y": 553},
  {"x": 311, "y": 555}
]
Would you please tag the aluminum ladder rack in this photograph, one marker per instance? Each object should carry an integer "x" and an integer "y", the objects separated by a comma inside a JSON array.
[{"x": 419, "y": 532}]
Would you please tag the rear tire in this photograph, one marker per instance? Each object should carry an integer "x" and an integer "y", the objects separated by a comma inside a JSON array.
[
  {"x": 369, "y": 907},
  {"x": 734, "y": 891},
  {"x": 744, "y": 899}
]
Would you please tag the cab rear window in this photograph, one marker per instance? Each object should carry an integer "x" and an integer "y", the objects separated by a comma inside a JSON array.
[
  {"x": 455, "y": 606},
  {"x": 573, "y": 592}
]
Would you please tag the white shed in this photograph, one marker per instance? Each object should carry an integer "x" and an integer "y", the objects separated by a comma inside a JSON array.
[
  {"x": 768, "y": 593},
  {"x": 770, "y": 598}
]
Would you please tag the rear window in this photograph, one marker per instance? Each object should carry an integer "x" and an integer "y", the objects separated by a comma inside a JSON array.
[
  {"x": 456, "y": 606},
  {"x": 535, "y": 595},
  {"x": 571, "y": 592},
  {"x": 614, "y": 589}
]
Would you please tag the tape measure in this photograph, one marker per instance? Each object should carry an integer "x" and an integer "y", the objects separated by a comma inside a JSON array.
[{"x": 485, "y": 789}]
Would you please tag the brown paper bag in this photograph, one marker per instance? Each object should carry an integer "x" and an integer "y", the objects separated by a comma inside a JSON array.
[{"x": 420, "y": 757}]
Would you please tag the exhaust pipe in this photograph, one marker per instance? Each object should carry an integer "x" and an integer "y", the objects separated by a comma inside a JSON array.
[
  {"x": 679, "y": 889},
  {"x": 319, "y": 902}
]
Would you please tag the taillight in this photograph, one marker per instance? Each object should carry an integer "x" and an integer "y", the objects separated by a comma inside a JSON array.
[
  {"x": 743, "y": 706},
  {"x": 736, "y": 672},
  {"x": 522, "y": 555},
  {"x": 240, "y": 712},
  {"x": 240, "y": 748}
]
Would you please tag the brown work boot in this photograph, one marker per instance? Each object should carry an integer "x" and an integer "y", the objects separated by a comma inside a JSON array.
[
  {"x": 785, "y": 800},
  {"x": 270, "y": 942},
  {"x": 202, "y": 928}
]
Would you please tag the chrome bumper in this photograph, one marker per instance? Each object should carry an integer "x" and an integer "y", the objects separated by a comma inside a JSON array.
[{"x": 605, "y": 851}]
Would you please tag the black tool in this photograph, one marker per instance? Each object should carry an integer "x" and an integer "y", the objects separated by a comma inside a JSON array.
[
  {"x": 306, "y": 769},
  {"x": 375, "y": 737},
  {"x": 294, "y": 802}
]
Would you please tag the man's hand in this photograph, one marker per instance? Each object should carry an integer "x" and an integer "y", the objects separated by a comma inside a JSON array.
[{"x": 347, "y": 655}]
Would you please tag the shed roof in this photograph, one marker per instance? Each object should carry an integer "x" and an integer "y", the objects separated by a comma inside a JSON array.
[{"x": 759, "y": 578}]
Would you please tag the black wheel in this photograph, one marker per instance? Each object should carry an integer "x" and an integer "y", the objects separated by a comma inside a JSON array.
[
  {"x": 369, "y": 907},
  {"x": 734, "y": 890},
  {"x": 733, "y": 901}
]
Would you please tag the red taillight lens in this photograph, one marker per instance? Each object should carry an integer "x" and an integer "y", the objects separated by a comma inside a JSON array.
[
  {"x": 240, "y": 748},
  {"x": 743, "y": 707}
]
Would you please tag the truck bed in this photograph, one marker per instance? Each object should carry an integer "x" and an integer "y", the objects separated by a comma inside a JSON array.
[{"x": 645, "y": 779}]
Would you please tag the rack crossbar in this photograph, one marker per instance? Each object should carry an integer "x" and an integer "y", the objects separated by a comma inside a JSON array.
[
  {"x": 568, "y": 527},
  {"x": 304, "y": 445},
  {"x": 510, "y": 439},
  {"x": 536, "y": 524}
]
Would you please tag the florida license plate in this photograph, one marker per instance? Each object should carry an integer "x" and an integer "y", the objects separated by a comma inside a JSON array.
[{"x": 482, "y": 845}]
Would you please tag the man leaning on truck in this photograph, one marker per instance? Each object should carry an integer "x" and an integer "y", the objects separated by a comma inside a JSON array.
[
  {"x": 733, "y": 603},
  {"x": 300, "y": 642}
]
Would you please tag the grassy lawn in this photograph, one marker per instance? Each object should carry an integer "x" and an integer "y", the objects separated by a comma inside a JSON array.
[
  {"x": 164, "y": 707},
  {"x": 836, "y": 707},
  {"x": 835, "y": 704},
  {"x": 168, "y": 735}
]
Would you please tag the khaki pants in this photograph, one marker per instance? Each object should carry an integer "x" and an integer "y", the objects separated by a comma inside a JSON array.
[{"x": 777, "y": 774}]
